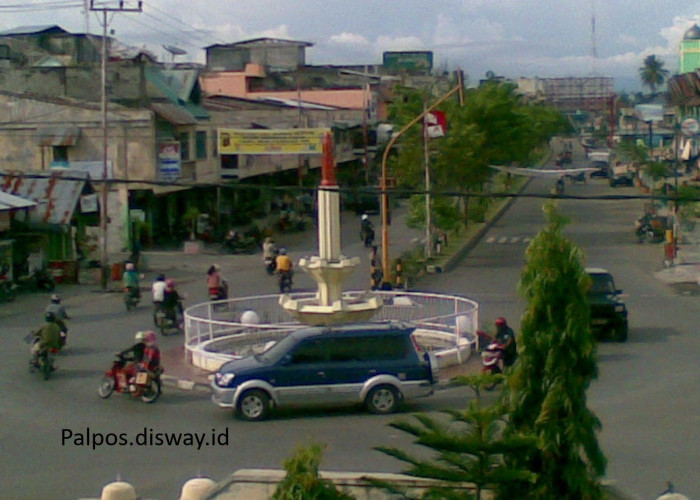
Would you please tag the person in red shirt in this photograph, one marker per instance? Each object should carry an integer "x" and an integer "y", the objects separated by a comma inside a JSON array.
[{"x": 151, "y": 354}]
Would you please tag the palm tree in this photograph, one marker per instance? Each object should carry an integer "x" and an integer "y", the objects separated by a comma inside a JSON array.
[{"x": 652, "y": 72}]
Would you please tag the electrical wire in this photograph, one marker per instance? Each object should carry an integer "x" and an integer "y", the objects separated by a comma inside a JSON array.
[{"x": 366, "y": 190}]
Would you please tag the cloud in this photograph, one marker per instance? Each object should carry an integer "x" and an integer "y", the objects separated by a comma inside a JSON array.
[{"x": 346, "y": 38}]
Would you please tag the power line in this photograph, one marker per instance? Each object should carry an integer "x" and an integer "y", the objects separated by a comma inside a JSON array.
[{"x": 367, "y": 190}]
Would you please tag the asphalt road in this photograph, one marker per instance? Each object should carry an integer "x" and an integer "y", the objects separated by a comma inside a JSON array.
[{"x": 644, "y": 394}]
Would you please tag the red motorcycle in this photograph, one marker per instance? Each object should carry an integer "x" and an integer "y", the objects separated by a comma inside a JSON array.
[
  {"x": 491, "y": 357},
  {"x": 145, "y": 384}
]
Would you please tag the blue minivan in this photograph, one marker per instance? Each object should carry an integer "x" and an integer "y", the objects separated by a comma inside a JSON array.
[{"x": 375, "y": 364}]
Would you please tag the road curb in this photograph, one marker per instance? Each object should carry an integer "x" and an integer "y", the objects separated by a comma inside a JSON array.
[{"x": 184, "y": 384}]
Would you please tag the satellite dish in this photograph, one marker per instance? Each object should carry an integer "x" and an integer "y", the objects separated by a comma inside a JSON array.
[
  {"x": 490, "y": 75},
  {"x": 174, "y": 51}
]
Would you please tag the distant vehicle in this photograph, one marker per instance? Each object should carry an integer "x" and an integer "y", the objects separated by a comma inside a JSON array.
[
  {"x": 608, "y": 311},
  {"x": 602, "y": 170},
  {"x": 621, "y": 174},
  {"x": 375, "y": 364},
  {"x": 600, "y": 159}
]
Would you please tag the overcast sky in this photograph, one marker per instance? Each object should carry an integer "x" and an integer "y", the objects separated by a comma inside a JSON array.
[{"x": 512, "y": 38}]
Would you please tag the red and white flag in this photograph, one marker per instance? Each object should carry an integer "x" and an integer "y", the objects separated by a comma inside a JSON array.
[{"x": 435, "y": 124}]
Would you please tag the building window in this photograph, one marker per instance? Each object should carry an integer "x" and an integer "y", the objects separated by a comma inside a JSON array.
[
  {"x": 214, "y": 145},
  {"x": 60, "y": 154},
  {"x": 185, "y": 146},
  {"x": 201, "y": 144}
]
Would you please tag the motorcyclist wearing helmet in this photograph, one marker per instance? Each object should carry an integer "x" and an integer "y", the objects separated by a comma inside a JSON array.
[
  {"x": 506, "y": 336},
  {"x": 48, "y": 336},
  {"x": 59, "y": 311},
  {"x": 131, "y": 280},
  {"x": 172, "y": 300},
  {"x": 134, "y": 354},
  {"x": 283, "y": 263}
]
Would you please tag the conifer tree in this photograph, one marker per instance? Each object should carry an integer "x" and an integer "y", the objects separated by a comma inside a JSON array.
[
  {"x": 546, "y": 390},
  {"x": 470, "y": 447}
]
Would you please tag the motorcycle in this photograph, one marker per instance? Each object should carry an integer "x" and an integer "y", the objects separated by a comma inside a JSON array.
[
  {"x": 367, "y": 235},
  {"x": 132, "y": 296},
  {"x": 284, "y": 279},
  {"x": 270, "y": 265},
  {"x": 491, "y": 362},
  {"x": 145, "y": 385},
  {"x": 167, "y": 321},
  {"x": 650, "y": 229},
  {"x": 218, "y": 294},
  {"x": 40, "y": 280},
  {"x": 40, "y": 359}
]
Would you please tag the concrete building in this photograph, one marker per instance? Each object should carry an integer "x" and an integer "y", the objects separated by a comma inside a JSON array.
[{"x": 689, "y": 53}]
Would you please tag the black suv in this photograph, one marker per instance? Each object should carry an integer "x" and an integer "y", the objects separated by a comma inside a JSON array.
[
  {"x": 608, "y": 311},
  {"x": 377, "y": 364}
]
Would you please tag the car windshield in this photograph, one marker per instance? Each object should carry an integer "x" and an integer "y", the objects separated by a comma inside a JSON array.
[
  {"x": 602, "y": 284},
  {"x": 279, "y": 349}
]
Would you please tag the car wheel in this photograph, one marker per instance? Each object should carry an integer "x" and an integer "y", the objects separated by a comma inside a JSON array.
[
  {"x": 253, "y": 405},
  {"x": 382, "y": 399}
]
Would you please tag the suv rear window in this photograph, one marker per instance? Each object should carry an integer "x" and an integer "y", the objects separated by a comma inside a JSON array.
[{"x": 602, "y": 284}]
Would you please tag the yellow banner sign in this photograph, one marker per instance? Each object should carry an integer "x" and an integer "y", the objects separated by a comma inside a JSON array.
[{"x": 271, "y": 142}]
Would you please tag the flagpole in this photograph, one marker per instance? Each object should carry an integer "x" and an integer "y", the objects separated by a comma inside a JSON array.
[
  {"x": 383, "y": 181},
  {"x": 426, "y": 153}
]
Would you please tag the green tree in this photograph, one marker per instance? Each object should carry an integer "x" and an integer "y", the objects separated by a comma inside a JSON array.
[
  {"x": 653, "y": 73},
  {"x": 546, "y": 390},
  {"x": 495, "y": 126},
  {"x": 303, "y": 482},
  {"x": 469, "y": 447}
]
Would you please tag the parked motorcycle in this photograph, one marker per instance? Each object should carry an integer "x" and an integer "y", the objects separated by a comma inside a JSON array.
[
  {"x": 145, "y": 385},
  {"x": 284, "y": 279},
  {"x": 491, "y": 362},
  {"x": 132, "y": 296},
  {"x": 40, "y": 280}
]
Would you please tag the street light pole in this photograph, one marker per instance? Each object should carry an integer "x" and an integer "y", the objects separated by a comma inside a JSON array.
[{"x": 383, "y": 181}]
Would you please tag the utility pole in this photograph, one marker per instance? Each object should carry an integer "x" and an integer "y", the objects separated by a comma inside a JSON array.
[{"x": 104, "y": 219}]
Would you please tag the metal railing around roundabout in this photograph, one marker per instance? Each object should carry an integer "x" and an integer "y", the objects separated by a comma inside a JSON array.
[{"x": 219, "y": 331}]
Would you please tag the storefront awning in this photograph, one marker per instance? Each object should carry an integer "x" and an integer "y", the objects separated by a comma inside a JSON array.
[
  {"x": 59, "y": 136},
  {"x": 11, "y": 202},
  {"x": 177, "y": 115},
  {"x": 56, "y": 194}
]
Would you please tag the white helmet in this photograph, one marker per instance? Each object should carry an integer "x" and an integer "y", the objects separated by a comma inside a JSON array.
[
  {"x": 139, "y": 336},
  {"x": 364, "y": 217}
]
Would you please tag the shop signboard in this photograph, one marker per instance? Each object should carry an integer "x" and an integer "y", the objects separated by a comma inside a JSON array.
[
  {"x": 271, "y": 142},
  {"x": 416, "y": 61},
  {"x": 169, "y": 161}
]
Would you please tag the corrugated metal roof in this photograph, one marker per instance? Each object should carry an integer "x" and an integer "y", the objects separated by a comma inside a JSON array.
[
  {"x": 33, "y": 30},
  {"x": 56, "y": 193},
  {"x": 11, "y": 202},
  {"x": 177, "y": 115},
  {"x": 59, "y": 136}
]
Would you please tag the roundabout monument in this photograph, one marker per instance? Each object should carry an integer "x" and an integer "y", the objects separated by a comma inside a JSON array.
[{"x": 216, "y": 332}]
